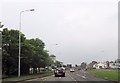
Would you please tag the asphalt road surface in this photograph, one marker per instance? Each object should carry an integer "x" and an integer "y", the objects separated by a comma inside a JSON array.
[
  {"x": 74, "y": 76},
  {"x": 71, "y": 77}
]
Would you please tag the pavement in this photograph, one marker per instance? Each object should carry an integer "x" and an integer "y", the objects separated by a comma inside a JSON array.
[
  {"x": 24, "y": 78},
  {"x": 73, "y": 77}
]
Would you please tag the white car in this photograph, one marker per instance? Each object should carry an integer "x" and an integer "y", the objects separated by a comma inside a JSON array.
[{"x": 72, "y": 70}]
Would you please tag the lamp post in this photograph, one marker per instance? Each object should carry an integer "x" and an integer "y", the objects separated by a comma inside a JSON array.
[
  {"x": 1, "y": 52},
  {"x": 20, "y": 39}
]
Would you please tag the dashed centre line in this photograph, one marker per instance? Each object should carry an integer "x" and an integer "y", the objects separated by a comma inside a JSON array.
[
  {"x": 84, "y": 77},
  {"x": 60, "y": 77},
  {"x": 72, "y": 78}
]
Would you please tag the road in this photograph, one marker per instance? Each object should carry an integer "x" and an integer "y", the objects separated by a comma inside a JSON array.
[{"x": 74, "y": 77}]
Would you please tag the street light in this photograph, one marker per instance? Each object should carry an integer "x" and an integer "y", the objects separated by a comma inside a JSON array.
[
  {"x": 20, "y": 38},
  {"x": 1, "y": 52},
  {"x": 1, "y": 25}
]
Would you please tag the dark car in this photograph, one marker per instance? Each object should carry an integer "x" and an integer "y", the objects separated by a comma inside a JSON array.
[{"x": 59, "y": 72}]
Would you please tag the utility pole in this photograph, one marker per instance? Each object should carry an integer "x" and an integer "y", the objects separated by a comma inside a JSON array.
[
  {"x": 1, "y": 53},
  {"x": 20, "y": 39}
]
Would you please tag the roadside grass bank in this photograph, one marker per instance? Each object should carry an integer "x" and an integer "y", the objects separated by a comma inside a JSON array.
[
  {"x": 27, "y": 77},
  {"x": 108, "y": 74}
]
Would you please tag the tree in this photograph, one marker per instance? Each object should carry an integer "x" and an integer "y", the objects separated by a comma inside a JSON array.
[
  {"x": 32, "y": 53},
  {"x": 83, "y": 65},
  {"x": 10, "y": 50}
]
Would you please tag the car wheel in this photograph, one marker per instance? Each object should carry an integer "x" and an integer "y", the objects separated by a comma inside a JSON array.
[
  {"x": 55, "y": 75},
  {"x": 64, "y": 75}
]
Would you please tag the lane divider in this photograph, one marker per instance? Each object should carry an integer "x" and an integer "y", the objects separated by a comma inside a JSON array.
[
  {"x": 82, "y": 76},
  {"x": 60, "y": 77},
  {"x": 72, "y": 78},
  {"x": 45, "y": 78}
]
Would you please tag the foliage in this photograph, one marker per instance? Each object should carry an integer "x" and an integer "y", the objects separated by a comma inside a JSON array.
[
  {"x": 83, "y": 65},
  {"x": 32, "y": 53}
]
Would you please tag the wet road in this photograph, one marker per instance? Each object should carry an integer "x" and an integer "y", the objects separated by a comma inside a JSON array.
[{"x": 71, "y": 77}]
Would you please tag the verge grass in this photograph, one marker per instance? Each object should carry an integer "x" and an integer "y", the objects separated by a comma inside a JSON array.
[
  {"x": 106, "y": 74},
  {"x": 27, "y": 77}
]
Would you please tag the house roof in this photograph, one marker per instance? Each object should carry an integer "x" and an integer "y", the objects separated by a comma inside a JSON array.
[
  {"x": 52, "y": 56},
  {"x": 91, "y": 64}
]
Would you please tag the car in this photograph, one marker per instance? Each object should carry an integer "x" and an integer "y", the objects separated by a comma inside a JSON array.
[
  {"x": 59, "y": 72},
  {"x": 72, "y": 70}
]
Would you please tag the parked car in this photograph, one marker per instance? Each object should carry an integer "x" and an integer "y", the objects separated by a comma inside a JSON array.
[
  {"x": 59, "y": 72},
  {"x": 72, "y": 70}
]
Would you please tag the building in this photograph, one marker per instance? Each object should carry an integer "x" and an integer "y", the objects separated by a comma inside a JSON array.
[
  {"x": 83, "y": 65},
  {"x": 53, "y": 57},
  {"x": 90, "y": 65},
  {"x": 99, "y": 65},
  {"x": 68, "y": 66},
  {"x": 106, "y": 65},
  {"x": 114, "y": 65}
]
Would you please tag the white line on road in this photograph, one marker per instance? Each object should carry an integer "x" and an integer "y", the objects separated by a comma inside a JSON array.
[
  {"x": 72, "y": 78},
  {"x": 60, "y": 77},
  {"x": 83, "y": 76}
]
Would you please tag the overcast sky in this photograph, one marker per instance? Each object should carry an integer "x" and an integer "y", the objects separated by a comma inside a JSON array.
[{"x": 85, "y": 30}]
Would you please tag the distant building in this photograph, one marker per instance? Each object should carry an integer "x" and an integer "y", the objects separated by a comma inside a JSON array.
[
  {"x": 53, "y": 57},
  {"x": 99, "y": 65},
  {"x": 83, "y": 65},
  {"x": 69, "y": 66},
  {"x": 114, "y": 65},
  {"x": 106, "y": 65},
  {"x": 91, "y": 65}
]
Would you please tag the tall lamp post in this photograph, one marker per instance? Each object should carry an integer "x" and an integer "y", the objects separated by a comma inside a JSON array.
[
  {"x": 20, "y": 38},
  {"x": 1, "y": 52}
]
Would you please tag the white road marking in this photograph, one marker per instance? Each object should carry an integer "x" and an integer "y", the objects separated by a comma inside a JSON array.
[
  {"x": 33, "y": 79},
  {"x": 60, "y": 77},
  {"x": 72, "y": 78},
  {"x": 83, "y": 76}
]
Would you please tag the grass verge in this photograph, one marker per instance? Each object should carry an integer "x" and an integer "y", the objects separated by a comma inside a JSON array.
[
  {"x": 27, "y": 77},
  {"x": 106, "y": 74}
]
